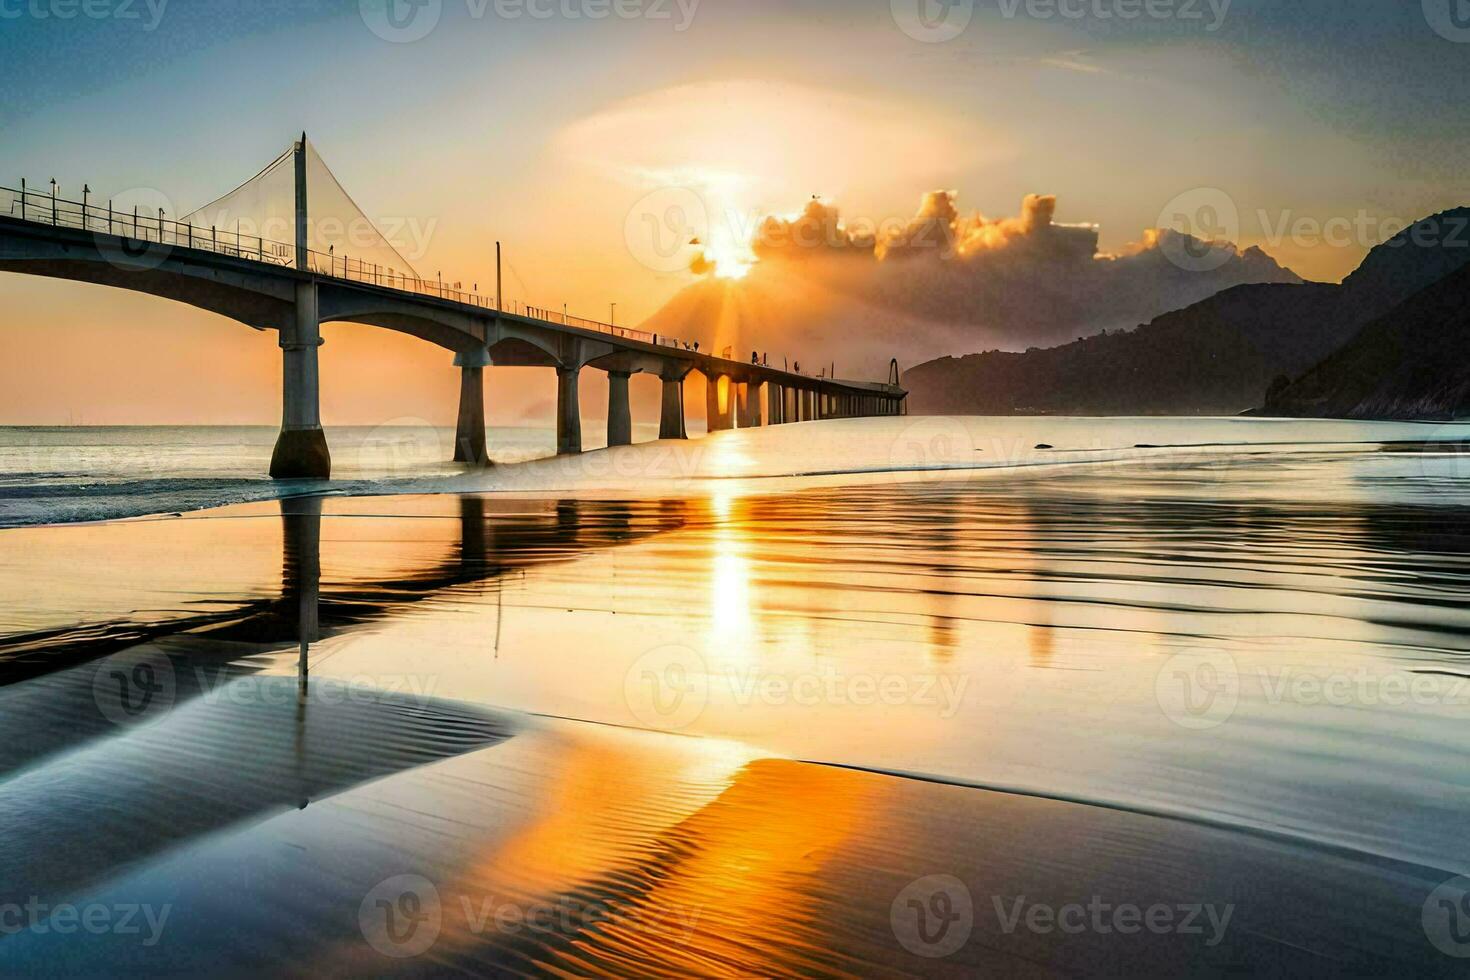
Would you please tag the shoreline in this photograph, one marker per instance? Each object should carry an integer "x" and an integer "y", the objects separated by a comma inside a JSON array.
[{"x": 939, "y": 448}]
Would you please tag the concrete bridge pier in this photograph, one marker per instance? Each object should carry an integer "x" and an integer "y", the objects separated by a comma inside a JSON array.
[
  {"x": 774, "y": 415},
  {"x": 568, "y": 412},
  {"x": 469, "y": 435},
  {"x": 748, "y": 405},
  {"x": 671, "y": 419},
  {"x": 619, "y": 414},
  {"x": 301, "y": 449},
  {"x": 719, "y": 418}
]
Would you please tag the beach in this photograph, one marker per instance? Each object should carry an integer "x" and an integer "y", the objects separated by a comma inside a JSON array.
[{"x": 882, "y": 697}]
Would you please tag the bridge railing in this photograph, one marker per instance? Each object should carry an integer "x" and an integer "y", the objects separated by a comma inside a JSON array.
[
  {"x": 47, "y": 208},
  {"x": 157, "y": 228},
  {"x": 582, "y": 323}
]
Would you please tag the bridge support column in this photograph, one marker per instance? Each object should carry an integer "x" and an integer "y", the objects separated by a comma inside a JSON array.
[
  {"x": 301, "y": 449},
  {"x": 469, "y": 435},
  {"x": 568, "y": 412},
  {"x": 671, "y": 419},
  {"x": 773, "y": 404},
  {"x": 719, "y": 418},
  {"x": 748, "y": 405},
  {"x": 619, "y": 415}
]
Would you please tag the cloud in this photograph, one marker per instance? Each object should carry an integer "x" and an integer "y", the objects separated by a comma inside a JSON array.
[{"x": 945, "y": 282}]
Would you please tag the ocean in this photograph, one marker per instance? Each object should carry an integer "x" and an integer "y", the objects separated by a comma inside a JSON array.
[{"x": 871, "y": 697}]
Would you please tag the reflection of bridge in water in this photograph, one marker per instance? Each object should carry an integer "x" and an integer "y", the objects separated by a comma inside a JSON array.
[
  {"x": 293, "y": 288},
  {"x": 491, "y": 545},
  {"x": 119, "y": 698}
]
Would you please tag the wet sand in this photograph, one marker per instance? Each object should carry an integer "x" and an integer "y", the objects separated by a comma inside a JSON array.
[{"x": 916, "y": 729}]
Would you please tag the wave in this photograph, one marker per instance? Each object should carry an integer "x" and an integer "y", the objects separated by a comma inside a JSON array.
[{"x": 114, "y": 474}]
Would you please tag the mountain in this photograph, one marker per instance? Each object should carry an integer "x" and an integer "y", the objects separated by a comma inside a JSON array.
[
  {"x": 1214, "y": 358},
  {"x": 1220, "y": 356},
  {"x": 1409, "y": 363},
  {"x": 1417, "y": 257}
]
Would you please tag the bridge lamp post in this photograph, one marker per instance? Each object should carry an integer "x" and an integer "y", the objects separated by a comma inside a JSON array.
[
  {"x": 86, "y": 189},
  {"x": 54, "y": 188},
  {"x": 614, "y": 316}
]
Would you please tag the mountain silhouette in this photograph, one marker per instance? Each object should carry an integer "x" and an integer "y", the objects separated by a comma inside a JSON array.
[
  {"x": 1409, "y": 363},
  {"x": 1221, "y": 356}
]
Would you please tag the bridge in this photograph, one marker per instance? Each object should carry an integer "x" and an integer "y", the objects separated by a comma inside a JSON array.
[{"x": 292, "y": 288}]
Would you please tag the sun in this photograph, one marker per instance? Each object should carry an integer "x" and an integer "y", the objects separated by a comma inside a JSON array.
[{"x": 727, "y": 257}]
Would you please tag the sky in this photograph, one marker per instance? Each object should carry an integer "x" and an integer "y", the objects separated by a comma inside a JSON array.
[{"x": 564, "y": 129}]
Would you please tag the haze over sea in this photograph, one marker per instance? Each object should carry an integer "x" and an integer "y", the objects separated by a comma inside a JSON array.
[{"x": 724, "y": 706}]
